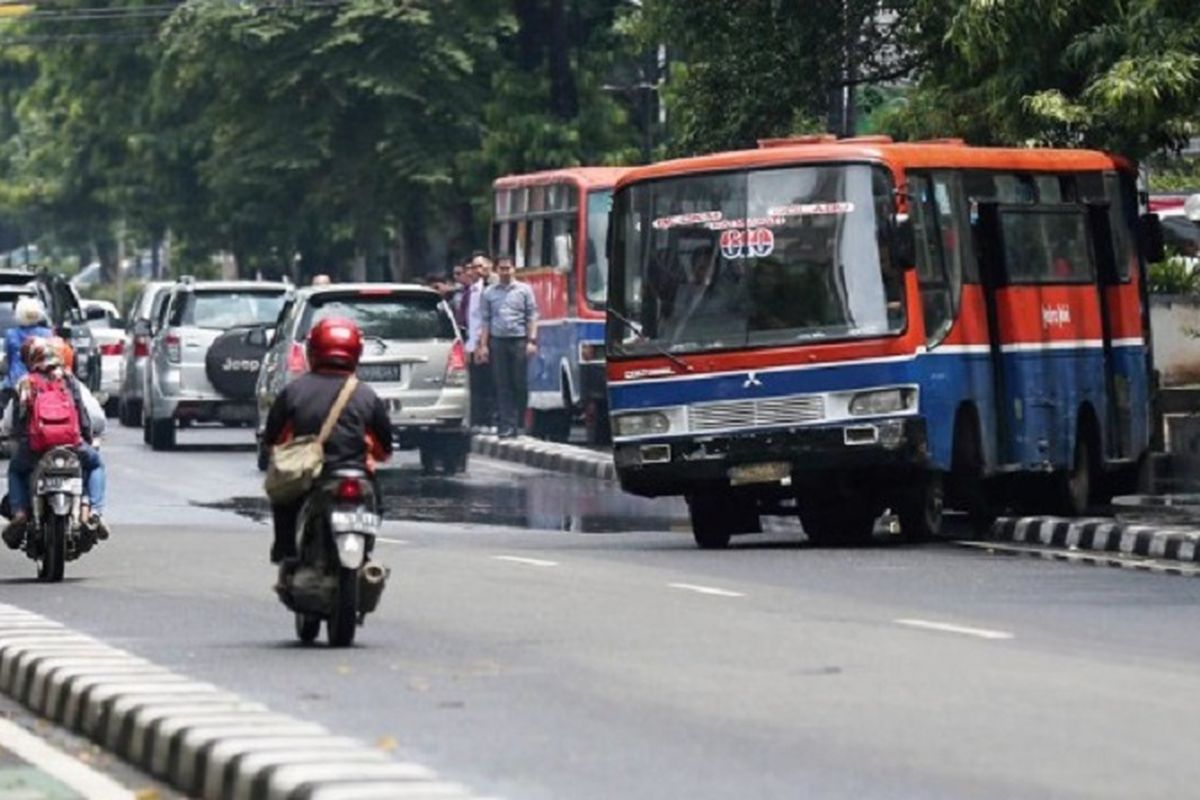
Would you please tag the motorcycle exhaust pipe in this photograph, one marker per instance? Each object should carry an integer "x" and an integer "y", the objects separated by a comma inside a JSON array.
[{"x": 372, "y": 578}]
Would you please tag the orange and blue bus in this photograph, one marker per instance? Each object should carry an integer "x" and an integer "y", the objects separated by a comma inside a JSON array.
[
  {"x": 554, "y": 224},
  {"x": 832, "y": 329}
]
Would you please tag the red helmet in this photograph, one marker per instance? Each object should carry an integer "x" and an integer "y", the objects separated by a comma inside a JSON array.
[{"x": 334, "y": 343}]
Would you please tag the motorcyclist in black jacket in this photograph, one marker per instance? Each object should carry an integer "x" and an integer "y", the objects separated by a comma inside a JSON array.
[{"x": 362, "y": 436}]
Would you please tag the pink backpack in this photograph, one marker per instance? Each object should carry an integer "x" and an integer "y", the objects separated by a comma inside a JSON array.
[{"x": 53, "y": 418}]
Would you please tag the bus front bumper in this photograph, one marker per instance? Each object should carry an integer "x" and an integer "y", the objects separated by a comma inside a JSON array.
[{"x": 683, "y": 465}]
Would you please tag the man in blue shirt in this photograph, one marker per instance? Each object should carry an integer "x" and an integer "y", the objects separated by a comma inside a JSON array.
[{"x": 508, "y": 338}]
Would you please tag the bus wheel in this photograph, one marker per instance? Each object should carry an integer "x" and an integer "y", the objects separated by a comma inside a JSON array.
[
  {"x": 920, "y": 508},
  {"x": 1074, "y": 487},
  {"x": 718, "y": 516},
  {"x": 838, "y": 526}
]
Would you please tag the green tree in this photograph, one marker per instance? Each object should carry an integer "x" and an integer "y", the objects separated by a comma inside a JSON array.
[{"x": 1118, "y": 74}]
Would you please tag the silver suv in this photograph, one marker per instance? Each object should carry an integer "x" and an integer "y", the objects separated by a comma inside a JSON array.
[
  {"x": 412, "y": 358},
  {"x": 205, "y": 356}
]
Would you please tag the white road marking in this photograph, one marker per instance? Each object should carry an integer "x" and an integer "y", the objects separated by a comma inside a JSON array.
[
  {"x": 691, "y": 587},
  {"x": 78, "y": 776},
  {"x": 391, "y": 541},
  {"x": 533, "y": 562},
  {"x": 945, "y": 627}
]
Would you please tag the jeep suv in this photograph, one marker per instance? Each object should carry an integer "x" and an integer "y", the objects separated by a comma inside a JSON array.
[
  {"x": 205, "y": 356},
  {"x": 412, "y": 358}
]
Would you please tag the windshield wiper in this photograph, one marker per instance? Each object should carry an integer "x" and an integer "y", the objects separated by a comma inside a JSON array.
[{"x": 637, "y": 329}]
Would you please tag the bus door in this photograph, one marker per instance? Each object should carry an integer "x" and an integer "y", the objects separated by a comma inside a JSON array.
[
  {"x": 991, "y": 277},
  {"x": 1118, "y": 420},
  {"x": 1043, "y": 320}
]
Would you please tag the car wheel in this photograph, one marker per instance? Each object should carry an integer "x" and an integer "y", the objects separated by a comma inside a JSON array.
[{"x": 429, "y": 458}]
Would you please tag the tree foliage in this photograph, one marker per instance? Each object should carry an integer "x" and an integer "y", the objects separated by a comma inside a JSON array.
[{"x": 1118, "y": 74}]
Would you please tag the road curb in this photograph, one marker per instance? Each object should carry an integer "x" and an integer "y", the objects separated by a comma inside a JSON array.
[
  {"x": 202, "y": 740},
  {"x": 551, "y": 456},
  {"x": 1105, "y": 535}
]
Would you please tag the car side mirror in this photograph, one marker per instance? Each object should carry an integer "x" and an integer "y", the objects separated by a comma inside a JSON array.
[
  {"x": 256, "y": 337},
  {"x": 1150, "y": 238}
]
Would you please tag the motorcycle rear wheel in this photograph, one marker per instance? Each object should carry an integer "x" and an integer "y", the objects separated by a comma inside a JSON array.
[
  {"x": 308, "y": 627},
  {"x": 343, "y": 621},
  {"x": 50, "y": 568}
]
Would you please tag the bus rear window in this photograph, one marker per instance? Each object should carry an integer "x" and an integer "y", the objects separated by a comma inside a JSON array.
[{"x": 388, "y": 316}]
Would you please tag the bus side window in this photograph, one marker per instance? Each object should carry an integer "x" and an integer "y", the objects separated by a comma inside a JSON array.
[
  {"x": 932, "y": 261},
  {"x": 1122, "y": 209}
]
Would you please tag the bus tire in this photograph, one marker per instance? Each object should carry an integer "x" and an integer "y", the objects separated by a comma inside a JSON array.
[
  {"x": 718, "y": 516},
  {"x": 1073, "y": 487},
  {"x": 920, "y": 507}
]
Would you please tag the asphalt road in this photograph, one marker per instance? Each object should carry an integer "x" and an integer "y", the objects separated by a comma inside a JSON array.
[{"x": 521, "y": 650}]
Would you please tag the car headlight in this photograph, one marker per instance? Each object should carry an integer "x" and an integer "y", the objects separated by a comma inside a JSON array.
[
  {"x": 882, "y": 401},
  {"x": 643, "y": 424}
]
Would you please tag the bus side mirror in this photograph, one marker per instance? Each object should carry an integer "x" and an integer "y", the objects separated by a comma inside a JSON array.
[
  {"x": 1150, "y": 238},
  {"x": 904, "y": 248}
]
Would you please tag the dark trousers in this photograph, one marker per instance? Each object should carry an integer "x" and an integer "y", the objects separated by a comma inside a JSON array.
[
  {"x": 483, "y": 394},
  {"x": 510, "y": 369}
]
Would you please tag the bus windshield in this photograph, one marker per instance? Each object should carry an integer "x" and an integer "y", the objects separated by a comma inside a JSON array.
[
  {"x": 599, "y": 203},
  {"x": 754, "y": 258}
]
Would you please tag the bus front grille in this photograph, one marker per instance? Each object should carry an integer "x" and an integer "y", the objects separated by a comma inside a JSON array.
[{"x": 756, "y": 413}]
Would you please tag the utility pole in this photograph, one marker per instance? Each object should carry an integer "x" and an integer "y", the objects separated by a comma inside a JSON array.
[{"x": 120, "y": 304}]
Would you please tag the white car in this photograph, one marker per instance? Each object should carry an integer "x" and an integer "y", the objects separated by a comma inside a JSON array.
[{"x": 108, "y": 329}]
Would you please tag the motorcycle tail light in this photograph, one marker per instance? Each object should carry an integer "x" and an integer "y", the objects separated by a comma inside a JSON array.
[
  {"x": 141, "y": 346},
  {"x": 349, "y": 490},
  {"x": 174, "y": 351},
  {"x": 456, "y": 366},
  {"x": 297, "y": 361}
]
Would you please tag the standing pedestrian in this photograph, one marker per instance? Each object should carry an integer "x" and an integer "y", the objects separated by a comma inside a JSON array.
[
  {"x": 508, "y": 339},
  {"x": 464, "y": 276},
  {"x": 483, "y": 387}
]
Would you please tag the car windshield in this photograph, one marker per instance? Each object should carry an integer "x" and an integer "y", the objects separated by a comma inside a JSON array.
[
  {"x": 385, "y": 316},
  {"x": 231, "y": 309},
  {"x": 757, "y": 258}
]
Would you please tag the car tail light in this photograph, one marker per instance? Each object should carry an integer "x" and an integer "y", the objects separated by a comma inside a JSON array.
[
  {"x": 349, "y": 490},
  {"x": 141, "y": 346},
  {"x": 114, "y": 349},
  {"x": 174, "y": 348},
  {"x": 297, "y": 361},
  {"x": 456, "y": 366}
]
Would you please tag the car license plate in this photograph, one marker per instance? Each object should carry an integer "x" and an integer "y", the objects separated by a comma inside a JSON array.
[
  {"x": 57, "y": 484},
  {"x": 381, "y": 373},
  {"x": 353, "y": 522},
  {"x": 770, "y": 472}
]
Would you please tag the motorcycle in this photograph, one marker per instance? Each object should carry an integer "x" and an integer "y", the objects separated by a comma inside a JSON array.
[
  {"x": 332, "y": 579},
  {"x": 56, "y": 532}
]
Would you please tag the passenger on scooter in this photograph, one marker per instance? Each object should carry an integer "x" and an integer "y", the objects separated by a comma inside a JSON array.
[
  {"x": 31, "y": 321},
  {"x": 46, "y": 377},
  {"x": 362, "y": 436}
]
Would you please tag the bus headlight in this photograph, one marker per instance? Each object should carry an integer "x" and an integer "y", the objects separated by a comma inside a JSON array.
[
  {"x": 882, "y": 401},
  {"x": 643, "y": 424}
]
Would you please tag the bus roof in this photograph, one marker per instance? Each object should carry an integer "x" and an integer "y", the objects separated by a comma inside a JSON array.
[
  {"x": 584, "y": 177},
  {"x": 945, "y": 153}
]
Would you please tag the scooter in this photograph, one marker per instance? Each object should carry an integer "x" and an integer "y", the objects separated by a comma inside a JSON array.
[
  {"x": 56, "y": 533},
  {"x": 332, "y": 579}
]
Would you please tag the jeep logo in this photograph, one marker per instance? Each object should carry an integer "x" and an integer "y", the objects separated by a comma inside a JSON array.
[{"x": 240, "y": 365}]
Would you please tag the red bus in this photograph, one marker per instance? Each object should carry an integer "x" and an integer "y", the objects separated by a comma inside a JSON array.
[
  {"x": 834, "y": 328},
  {"x": 554, "y": 224}
]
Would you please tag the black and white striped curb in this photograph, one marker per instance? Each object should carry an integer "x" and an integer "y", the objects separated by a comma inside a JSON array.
[
  {"x": 1163, "y": 543},
  {"x": 204, "y": 741},
  {"x": 1093, "y": 559},
  {"x": 554, "y": 456}
]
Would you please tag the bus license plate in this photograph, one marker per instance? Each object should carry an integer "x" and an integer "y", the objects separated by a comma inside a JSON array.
[{"x": 770, "y": 472}]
